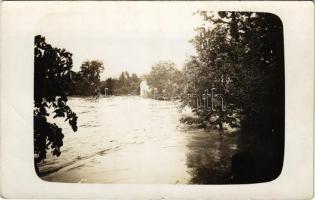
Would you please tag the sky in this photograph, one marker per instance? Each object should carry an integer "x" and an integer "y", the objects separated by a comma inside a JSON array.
[{"x": 125, "y": 37}]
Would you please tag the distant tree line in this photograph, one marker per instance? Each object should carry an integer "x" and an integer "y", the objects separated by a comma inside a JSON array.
[
  {"x": 164, "y": 79},
  {"x": 86, "y": 82},
  {"x": 124, "y": 85}
]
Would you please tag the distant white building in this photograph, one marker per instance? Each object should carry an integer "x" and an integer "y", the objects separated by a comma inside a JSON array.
[{"x": 144, "y": 89}]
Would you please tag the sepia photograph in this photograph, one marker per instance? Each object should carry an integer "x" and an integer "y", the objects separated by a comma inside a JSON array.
[
  {"x": 149, "y": 96},
  {"x": 157, "y": 100}
]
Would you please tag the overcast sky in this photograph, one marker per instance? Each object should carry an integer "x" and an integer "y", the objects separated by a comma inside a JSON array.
[{"x": 130, "y": 38}]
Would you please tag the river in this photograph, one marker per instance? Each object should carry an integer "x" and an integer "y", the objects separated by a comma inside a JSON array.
[{"x": 130, "y": 139}]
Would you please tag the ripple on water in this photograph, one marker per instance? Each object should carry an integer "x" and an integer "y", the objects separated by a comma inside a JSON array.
[{"x": 138, "y": 135}]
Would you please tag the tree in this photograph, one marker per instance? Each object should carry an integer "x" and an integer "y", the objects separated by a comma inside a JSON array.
[
  {"x": 240, "y": 54},
  {"x": 90, "y": 75},
  {"x": 165, "y": 77},
  {"x": 134, "y": 84},
  {"x": 126, "y": 84},
  {"x": 110, "y": 84},
  {"x": 207, "y": 75},
  {"x": 88, "y": 78},
  {"x": 51, "y": 77}
]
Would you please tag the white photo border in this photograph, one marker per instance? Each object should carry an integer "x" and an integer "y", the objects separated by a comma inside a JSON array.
[{"x": 18, "y": 177}]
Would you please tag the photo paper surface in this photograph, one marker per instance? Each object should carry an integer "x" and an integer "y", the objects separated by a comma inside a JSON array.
[
  {"x": 162, "y": 100},
  {"x": 196, "y": 98}
]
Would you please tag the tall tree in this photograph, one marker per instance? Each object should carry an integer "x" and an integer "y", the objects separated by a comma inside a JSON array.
[
  {"x": 88, "y": 83},
  {"x": 240, "y": 54},
  {"x": 51, "y": 77}
]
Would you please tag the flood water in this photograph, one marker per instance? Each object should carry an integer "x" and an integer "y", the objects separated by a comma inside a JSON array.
[{"x": 137, "y": 140}]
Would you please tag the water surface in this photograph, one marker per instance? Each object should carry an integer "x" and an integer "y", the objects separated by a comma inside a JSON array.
[{"x": 137, "y": 140}]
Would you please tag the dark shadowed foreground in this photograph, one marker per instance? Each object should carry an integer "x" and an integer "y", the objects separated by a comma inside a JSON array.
[{"x": 138, "y": 140}]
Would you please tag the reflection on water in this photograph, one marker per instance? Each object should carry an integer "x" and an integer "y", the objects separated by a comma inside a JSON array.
[
  {"x": 208, "y": 157},
  {"x": 137, "y": 140}
]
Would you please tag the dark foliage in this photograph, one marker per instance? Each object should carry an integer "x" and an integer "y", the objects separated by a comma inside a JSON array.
[
  {"x": 240, "y": 54},
  {"x": 87, "y": 81},
  {"x": 124, "y": 85},
  {"x": 51, "y": 78}
]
